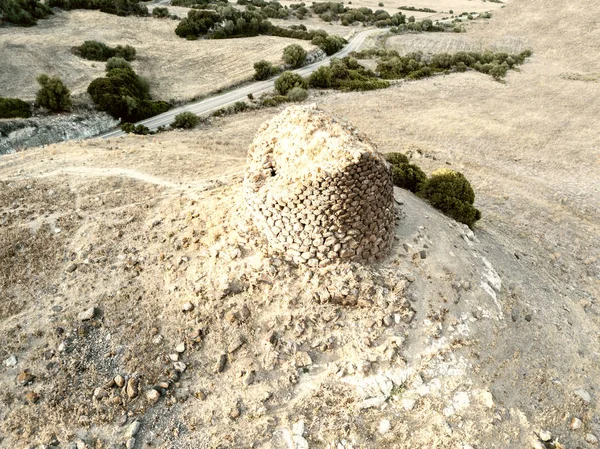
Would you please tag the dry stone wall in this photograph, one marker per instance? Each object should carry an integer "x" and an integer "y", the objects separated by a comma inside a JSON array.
[{"x": 318, "y": 189}]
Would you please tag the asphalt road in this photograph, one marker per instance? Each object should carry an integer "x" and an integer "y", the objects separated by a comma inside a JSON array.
[{"x": 211, "y": 104}]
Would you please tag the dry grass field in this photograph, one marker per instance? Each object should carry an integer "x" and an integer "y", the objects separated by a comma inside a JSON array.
[
  {"x": 176, "y": 68},
  {"x": 530, "y": 146}
]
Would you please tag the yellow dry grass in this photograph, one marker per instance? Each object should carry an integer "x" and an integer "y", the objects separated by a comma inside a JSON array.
[{"x": 176, "y": 68}]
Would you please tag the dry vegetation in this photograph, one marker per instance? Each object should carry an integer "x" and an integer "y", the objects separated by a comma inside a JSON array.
[{"x": 177, "y": 69}]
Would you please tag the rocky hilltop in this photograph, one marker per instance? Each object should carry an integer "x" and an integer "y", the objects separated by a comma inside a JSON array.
[{"x": 142, "y": 307}]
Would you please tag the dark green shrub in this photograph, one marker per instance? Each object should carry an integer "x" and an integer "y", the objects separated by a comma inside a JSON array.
[
  {"x": 329, "y": 44},
  {"x": 53, "y": 94},
  {"x": 125, "y": 95},
  {"x": 23, "y": 12},
  {"x": 160, "y": 12},
  {"x": 264, "y": 70},
  {"x": 406, "y": 175},
  {"x": 297, "y": 94},
  {"x": 117, "y": 63},
  {"x": 14, "y": 108},
  {"x": 294, "y": 55},
  {"x": 185, "y": 120},
  {"x": 409, "y": 177},
  {"x": 396, "y": 158},
  {"x": 322, "y": 77},
  {"x": 451, "y": 193},
  {"x": 131, "y": 128},
  {"x": 288, "y": 80},
  {"x": 94, "y": 51},
  {"x": 99, "y": 51}
]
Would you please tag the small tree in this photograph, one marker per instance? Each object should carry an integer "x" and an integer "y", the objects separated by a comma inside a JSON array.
[
  {"x": 264, "y": 69},
  {"x": 53, "y": 94},
  {"x": 287, "y": 81},
  {"x": 186, "y": 120},
  {"x": 294, "y": 55}
]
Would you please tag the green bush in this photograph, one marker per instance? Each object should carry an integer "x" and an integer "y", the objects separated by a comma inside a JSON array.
[
  {"x": 23, "y": 12},
  {"x": 294, "y": 55},
  {"x": 322, "y": 77},
  {"x": 53, "y": 94},
  {"x": 297, "y": 94},
  {"x": 409, "y": 177},
  {"x": 406, "y": 175},
  {"x": 99, "y": 51},
  {"x": 125, "y": 95},
  {"x": 14, "y": 108},
  {"x": 185, "y": 120},
  {"x": 451, "y": 193},
  {"x": 117, "y": 63},
  {"x": 396, "y": 158},
  {"x": 130, "y": 128},
  {"x": 288, "y": 80},
  {"x": 329, "y": 44},
  {"x": 160, "y": 12},
  {"x": 264, "y": 70}
]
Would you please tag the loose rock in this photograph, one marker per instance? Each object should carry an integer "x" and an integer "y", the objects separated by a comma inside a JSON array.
[
  {"x": 87, "y": 314},
  {"x": 576, "y": 424},
  {"x": 132, "y": 388},
  {"x": 153, "y": 396},
  {"x": 25, "y": 377}
]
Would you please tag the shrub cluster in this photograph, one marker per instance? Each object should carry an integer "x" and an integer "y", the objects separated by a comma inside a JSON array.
[
  {"x": 238, "y": 106},
  {"x": 125, "y": 95},
  {"x": 99, "y": 51},
  {"x": 23, "y": 12},
  {"x": 412, "y": 8},
  {"x": 287, "y": 81},
  {"x": 294, "y": 55},
  {"x": 160, "y": 12},
  {"x": 228, "y": 22},
  {"x": 199, "y": 4},
  {"x": 119, "y": 8},
  {"x": 416, "y": 65},
  {"x": 14, "y": 108},
  {"x": 334, "y": 11},
  {"x": 225, "y": 22},
  {"x": 425, "y": 25},
  {"x": 185, "y": 120},
  {"x": 345, "y": 74},
  {"x": 135, "y": 129},
  {"x": 53, "y": 94},
  {"x": 446, "y": 190},
  {"x": 264, "y": 70}
]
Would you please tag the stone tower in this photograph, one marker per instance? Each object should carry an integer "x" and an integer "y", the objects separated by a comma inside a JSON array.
[{"x": 318, "y": 189}]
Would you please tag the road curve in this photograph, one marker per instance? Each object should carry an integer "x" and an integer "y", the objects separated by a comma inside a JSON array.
[{"x": 211, "y": 104}]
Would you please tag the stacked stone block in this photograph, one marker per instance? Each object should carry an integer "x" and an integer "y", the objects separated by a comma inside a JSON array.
[{"x": 318, "y": 189}]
